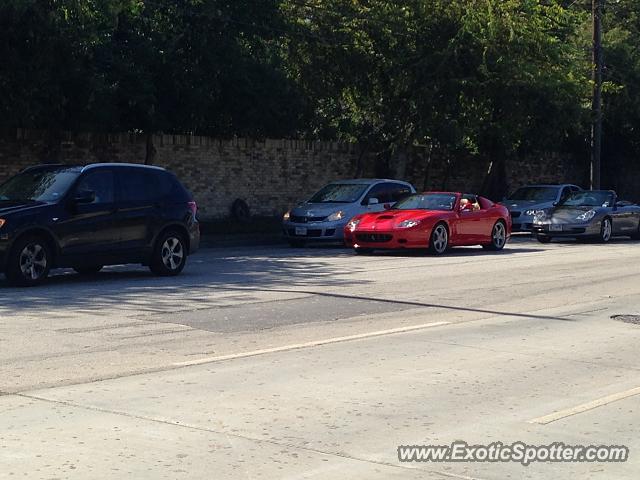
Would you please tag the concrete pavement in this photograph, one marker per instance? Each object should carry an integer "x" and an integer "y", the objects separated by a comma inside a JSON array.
[{"x": 280, "y": 363}]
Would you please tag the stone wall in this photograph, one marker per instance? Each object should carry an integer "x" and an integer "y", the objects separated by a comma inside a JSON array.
[{"x": 270, "y": 175}]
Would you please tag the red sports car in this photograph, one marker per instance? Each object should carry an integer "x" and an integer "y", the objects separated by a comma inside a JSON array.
[{"x": 433, "y": 220}]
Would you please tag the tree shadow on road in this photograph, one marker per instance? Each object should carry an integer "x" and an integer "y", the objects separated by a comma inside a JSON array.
[{"x": 135, "y": 288}]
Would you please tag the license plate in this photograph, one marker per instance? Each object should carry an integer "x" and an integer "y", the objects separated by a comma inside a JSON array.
[
  {"x": 302, "y": 231},
  {"x": 555, "y": 228}
]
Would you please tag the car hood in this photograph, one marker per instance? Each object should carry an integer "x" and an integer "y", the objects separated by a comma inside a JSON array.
[
  {"x": 321, "y": 209},
  {"x": 13, "y": 206},
  {"x": 569, "y": 214},
  {"x": 389, "y": 219},
  {"x": 526, "y": 204}
]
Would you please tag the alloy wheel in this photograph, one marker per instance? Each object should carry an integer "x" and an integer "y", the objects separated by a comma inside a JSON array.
[
  {"x": 439, "y": 239},
  {"x": 499, "y": 236},
  {"x": 172, "y": 253},
  {"x": 33, "y": 262},
  {"x": 606, "y": 230}
]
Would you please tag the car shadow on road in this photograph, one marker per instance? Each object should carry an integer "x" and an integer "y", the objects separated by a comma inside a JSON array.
[{"x": 455, "y": 252}]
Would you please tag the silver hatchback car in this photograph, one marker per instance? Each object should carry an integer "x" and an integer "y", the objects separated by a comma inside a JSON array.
[{"x": 324, "y": 216}]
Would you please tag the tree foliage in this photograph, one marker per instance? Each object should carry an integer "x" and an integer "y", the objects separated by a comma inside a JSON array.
[{"x": 495, "y": 78}]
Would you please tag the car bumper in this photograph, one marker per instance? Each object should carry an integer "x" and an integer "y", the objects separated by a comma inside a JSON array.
[
  {"x": 327, "y": 231},
  {"x": 568, "y": 229},
  {"x": 522, "y": 223},
  {"x": 521, "y": 227},
  {"x": 389, "y": 239}
]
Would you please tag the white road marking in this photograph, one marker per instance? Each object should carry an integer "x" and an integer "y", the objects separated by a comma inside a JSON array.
[
  {"x": 315, "y": 343},
  {"x": 585, "y": 406}
]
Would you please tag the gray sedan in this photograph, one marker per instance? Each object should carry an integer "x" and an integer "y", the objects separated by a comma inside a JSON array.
[
  {"x": 593, "y": 214},
  {"x": 325, "y": 214}
]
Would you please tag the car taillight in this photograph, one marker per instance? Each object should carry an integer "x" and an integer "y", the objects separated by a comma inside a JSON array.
[{"x": 193, "y": 206}]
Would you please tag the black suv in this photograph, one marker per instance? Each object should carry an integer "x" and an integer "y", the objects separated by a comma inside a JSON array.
[{"x": 86, "y": 217}]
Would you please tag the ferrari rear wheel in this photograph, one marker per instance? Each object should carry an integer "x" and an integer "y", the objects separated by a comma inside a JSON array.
[
  {"x": 606, "y": 230},
  {"x": 543, "y": 238},
  {"x": 439, "y": 241},
  {"x": 498, "y": 237}
]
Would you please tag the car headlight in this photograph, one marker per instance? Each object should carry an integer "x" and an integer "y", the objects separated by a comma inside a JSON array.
[
  {"x": 538, "y": 214},
  {"x": 351, "y": 226},
  {"x": 531, "y": 213},
  {"x": 286, "y": 216},
  {"x": 334, "y": 217},
  {"x": 2, "y": 222},
  {"x": 586, "y": 216},
  {"x": 408, "y": 224}
]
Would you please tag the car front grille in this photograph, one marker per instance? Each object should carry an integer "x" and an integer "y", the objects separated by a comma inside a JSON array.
[
  {"x": 374, "y": 237},
  {"x": 297, "y": 219}
]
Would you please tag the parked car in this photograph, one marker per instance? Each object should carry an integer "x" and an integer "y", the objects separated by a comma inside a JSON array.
[
  {"x": 596, "y": 214},
  {"x": 433, "y": 220},
  {"x": 85, "y": 217},
  {"x": 325, "y": 214},
  {"x": 526, "y": 200}
]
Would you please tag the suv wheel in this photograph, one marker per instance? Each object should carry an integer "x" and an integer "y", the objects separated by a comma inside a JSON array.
[
  {"x": 29, "y": 262},
  {"x": 170, "y": 254}
]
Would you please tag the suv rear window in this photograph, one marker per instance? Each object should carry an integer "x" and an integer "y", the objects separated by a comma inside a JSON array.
[{"x": 139, "y": 185}]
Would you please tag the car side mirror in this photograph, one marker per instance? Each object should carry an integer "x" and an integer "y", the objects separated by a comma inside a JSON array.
[
  {"x": 373, "y": 201},
  {"x": 84, "y": 196}
]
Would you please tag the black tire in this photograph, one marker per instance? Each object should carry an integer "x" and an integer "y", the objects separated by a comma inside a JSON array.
[
  {"x": 29, "y": 262},
  {"x": 543, "y": 238},
  {"x": 636, "y": 236},
  {"x": 169, "y": 255},
  {"x": 89, "y": 270},
  {"x": 363, "y": 251},
  {"x": 606, "y": 230},
  {"x": 297, "y": 243},
  {"x": 439, "y": 239},
  {"x": 498, "y": 237}
]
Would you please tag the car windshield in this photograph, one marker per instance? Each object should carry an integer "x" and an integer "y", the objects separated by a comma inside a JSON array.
[
  {"x": 47, "y": 185},
  {"x": 428, "y": 201},
  {"x": 339, "y": 193},
  {"x": 536, "y": 194},
  {"x": 601, "y": 198}
]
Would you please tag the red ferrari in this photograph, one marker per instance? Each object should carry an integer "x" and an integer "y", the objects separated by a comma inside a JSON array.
[{"x": 433, "y": 220}]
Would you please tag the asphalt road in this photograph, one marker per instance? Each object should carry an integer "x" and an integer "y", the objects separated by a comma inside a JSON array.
[{"x": 276, "y": 363}]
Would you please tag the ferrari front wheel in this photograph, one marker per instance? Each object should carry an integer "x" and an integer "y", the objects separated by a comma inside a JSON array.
[
  {"x": 498, "y": 237},
  {"x": 439, "y": 241}
]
